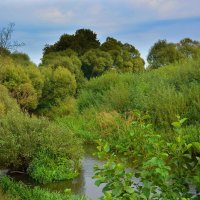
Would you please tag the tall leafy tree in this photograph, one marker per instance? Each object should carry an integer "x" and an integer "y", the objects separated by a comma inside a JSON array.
[
  {"x": 125, "y": 56},
  {"x": 58, "y": 85},
  {"x": 189, "y": 48},
  {"x": 17, "y": 81},
  {"x": 67, "y": 59},
  {"x": 95, "y": 62},
  {"x": 80, "y": 42},
  {"x": 163, "y": 53}
]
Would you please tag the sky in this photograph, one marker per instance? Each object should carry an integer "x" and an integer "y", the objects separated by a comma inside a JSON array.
[{"x": 138, "y": 22}]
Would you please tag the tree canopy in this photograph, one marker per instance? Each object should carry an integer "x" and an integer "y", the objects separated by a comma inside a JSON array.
[
  {"x": 80, "y": 42},
  {"x": 164, "y": 53}
]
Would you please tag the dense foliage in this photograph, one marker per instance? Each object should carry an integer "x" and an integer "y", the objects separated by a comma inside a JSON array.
[
  {"x": 162, "y": 93},
  {"x": 96, "y": 58},
  {"x": 23, "y": 192},
  {"x": 163, "y": 53},
  {"x": 147, "y": 119}
]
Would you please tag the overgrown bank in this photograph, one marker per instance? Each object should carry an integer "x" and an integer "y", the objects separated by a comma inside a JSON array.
[
  {"x": 87, "y": 91},
  {"x": 138, "y": 116}
]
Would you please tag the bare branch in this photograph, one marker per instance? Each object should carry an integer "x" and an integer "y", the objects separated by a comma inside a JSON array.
[{"x": 6, "y": 38}]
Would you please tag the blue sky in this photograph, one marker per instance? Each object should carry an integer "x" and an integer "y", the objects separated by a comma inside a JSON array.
[{"x": 139, "y": 22}]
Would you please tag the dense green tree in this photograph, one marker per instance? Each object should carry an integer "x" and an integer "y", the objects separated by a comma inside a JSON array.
[
  {"x": 67, "y": 59},
  {"x": 21, "y": 59},
  {"x": 33, "y": 72},
  {"x": 20, "y": 85},
  {"x": 37, "y": 79},
  {"x": 85, "y": 39},
  {"x": 7, "y": 103},
  {"x": 96, "y": 62},
  {"x": 80, "y": 42},
  {"x": 189, "y": 48},
  {"x": 111, "y": 44},
  {"x": 125, "y": 56},
  {"x": 58, "y": 85},
  {"x": 163, "y": 53},
  {"x": 26, "y": 96}
]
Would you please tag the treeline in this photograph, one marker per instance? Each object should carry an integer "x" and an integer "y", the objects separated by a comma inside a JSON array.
[
  {"x": 163, "y": 53},
  {"x": 67, "y": 65},
  {"x": 97, "y": 58}
]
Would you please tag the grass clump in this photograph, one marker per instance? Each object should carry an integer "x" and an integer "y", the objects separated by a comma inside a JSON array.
[{"x": 23, "y": 192}]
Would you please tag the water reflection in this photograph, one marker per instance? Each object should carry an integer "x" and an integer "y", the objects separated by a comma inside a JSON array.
[{"x": 83, "y": 184}]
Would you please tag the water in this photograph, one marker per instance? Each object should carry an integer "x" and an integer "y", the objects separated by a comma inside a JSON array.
[{"x": 82, "y": 185}]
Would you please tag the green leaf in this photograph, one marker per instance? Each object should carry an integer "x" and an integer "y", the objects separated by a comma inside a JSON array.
[
  {"x": 106, "y": 148},
  {"x": 129, "y": 190},
  {"x": 196, "y": 145},
  {"x": 183, "y": 120},
  {"x": 176, "y": 124},
  {"x": 98, "y": 182}
]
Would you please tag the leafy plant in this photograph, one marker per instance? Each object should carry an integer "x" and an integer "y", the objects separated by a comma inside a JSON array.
[
  {"x": 47, "y": 167},
  {"x": 113, "y": 174},
  {"x": 23, "y": 192}
]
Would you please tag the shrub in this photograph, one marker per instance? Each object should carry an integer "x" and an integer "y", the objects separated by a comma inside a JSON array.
[
  {"x": 21, "y": 137},
  {"x": 83, "y": 125},
  {"x": 17, "y": 81},
  {"x": 64, "y": 108},
  {"x": 26, "y": 193},
  {"x": 47, "y": 167},
  {"x": 7, "y": 103},
  {"x": 109, "y": 123}
]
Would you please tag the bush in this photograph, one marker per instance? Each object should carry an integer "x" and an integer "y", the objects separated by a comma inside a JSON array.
[
  {"x": 47, "y": 167},
  {"x": 21, "y": 137},
  {"x": 7, "y": 103},
  {"x": 165, "y": 169},
  {"x": 109, "y": 124},
  {"x": 83, "y": 125},
  {"x": 20, "y": 86},
  {"x": 64, "y": 108},
  {"x": 19, "y": 190}
]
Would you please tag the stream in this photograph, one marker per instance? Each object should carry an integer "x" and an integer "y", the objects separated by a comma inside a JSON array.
[{"x": 81, "y": 185}]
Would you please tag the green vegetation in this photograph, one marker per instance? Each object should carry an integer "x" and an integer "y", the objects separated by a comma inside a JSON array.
[
  {"x": 23, "y": 192},
  {"x": 165, "y": 169},
  {"x": 23, "y": 139},
  {"x": 84, "y": 92},
  {"x": 163, "y": 53},
  {"x": 47, "y": 167},
  {"x": 163, "y": 93}
]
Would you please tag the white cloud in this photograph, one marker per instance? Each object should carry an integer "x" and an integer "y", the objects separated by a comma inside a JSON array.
[
  {"x": 166, "y": 9},
  {"x": 54, "y": 15}
]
